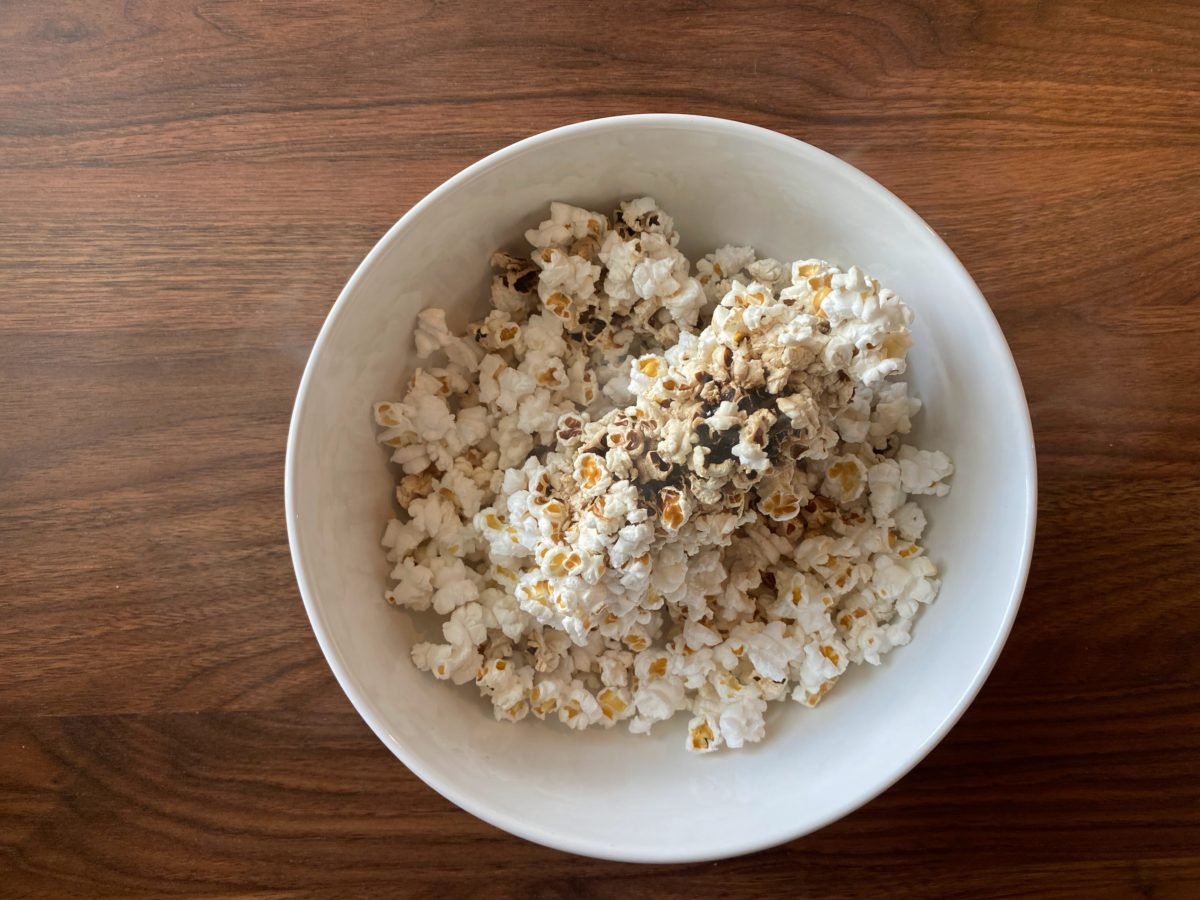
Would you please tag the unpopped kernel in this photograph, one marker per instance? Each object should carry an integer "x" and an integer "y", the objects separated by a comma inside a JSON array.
[{"x": 631, "y": 491}]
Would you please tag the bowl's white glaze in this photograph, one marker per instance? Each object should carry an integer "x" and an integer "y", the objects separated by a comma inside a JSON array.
[{"x": 607, "y": 793}]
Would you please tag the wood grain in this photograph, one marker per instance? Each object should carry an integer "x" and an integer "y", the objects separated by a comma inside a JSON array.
[{"x": 184, "y": 187}]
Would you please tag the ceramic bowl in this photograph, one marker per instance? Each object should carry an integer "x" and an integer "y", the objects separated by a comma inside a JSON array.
[{"x": 607, "y": 793}]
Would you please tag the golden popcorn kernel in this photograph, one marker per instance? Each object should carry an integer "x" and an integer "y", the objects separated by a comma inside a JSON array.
[
  {"x": 547, "y": 378},
  {"x": 672, "y": 510},
  {"x": 717, "y": 268},
  {"x": 611, "y": 703},
  {"x": 547, "y": 255},
  {"x": 413, "y": 487},
  {"x": 650, "y": 365},
  {"x": 859, "y": 613},
  {"x": 845, "y": 621},
  {"x": 846, "y": 475},
  {"x": 636, "y": 642},
  {"x": 910, "y": 550},
  {"x": 585, "y": 247},
  {"x": 814, "y": 698},
  {"x": 658, "y": 667},
  {"x": 781, "y": 506},
  {"x": 590, "y": 471},
  {"x": 702, "y": 736},
  {"x": 493, "y": 521},
  {"x": 739, "y": 650},
  {"x": 515, "y": 710},
  {"x": 501, "y": 665},
  {"x": 810, "y": 269},
  {"x": 559, "y": 304},
  {"x": 830, "y": 654},
  {"x": 896, "y": 346}
]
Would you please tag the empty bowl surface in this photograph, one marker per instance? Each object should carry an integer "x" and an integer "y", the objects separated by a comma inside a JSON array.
[{"x": 608, "y": 793}]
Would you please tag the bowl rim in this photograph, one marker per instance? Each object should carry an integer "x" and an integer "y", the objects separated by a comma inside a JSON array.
[{"x": 665, "y": 853}]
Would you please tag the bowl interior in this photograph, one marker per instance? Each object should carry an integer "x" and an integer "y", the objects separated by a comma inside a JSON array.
[{"x": 608, "y": 793}]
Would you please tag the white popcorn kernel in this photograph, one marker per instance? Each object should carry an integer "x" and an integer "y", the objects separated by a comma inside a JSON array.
[
  {"x": 566, "y": 225},
  {"x": 401, "y": 539},
  {"x": 923, "y": 472},
  {"x": 414, "y": 588},
  {"x": 431, "y": 333},
  {"x": 507, "y": 686},
  {"x": 658, "y": 695},
  {"x": 452, "y": 586},
  {"x": 741, "y": 719},
  {"x": 845, "y": 479},
  {"x": 579, "y": 709},
  {"x": 770, "y": 272},
  {"x": 883, "y": 480},
  {"x": 456, "y": 662},
  {"x": 515, "y": 443},
  {"x": 893, "y": 412},
  {"x": 910, "y": 521}
]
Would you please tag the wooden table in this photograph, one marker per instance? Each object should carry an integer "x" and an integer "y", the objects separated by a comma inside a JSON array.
[{"x": 184, "y": 187}]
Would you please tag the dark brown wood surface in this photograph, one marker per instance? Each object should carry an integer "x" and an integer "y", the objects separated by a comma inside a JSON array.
[{"x": 184, "y": 188}]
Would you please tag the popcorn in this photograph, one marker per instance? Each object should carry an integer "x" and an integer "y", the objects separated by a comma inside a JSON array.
[
  {"x": 922, "y": 472},
  {"x": 632, "y": 490}
]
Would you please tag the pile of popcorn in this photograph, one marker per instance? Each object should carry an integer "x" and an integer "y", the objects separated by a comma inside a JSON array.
[{"x": 633, "y": 490}]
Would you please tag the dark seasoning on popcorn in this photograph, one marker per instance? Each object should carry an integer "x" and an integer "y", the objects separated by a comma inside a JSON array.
[{"x": 634, "y": 490}]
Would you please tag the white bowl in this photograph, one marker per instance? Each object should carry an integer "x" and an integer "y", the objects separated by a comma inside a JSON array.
[{"x": 607, "y": 793}]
